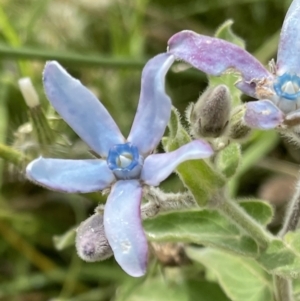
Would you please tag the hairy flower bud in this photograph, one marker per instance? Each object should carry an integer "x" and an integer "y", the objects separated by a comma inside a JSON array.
[
  {"x": 209, "y": 116},
  {"x": 238, "y": 128},
  {"x": 91, "y": 242}
]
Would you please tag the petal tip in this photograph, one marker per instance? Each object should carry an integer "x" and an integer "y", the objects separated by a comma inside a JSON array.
[{"x": 263, "y": 114}]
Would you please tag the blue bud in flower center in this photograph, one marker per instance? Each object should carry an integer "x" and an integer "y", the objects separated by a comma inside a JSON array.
[
  {"x": 125, "y": 161},
  {"x": 287, "y": 86}
]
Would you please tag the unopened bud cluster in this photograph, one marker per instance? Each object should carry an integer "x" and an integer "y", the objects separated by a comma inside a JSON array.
[{"x": 212, "y": 116}]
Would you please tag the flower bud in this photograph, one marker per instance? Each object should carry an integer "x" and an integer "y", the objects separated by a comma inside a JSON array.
[
  {"x": 238, "y": 128},
  {"x": 209, "y": 116},
  {"x": 29, "y": 93},
  {"x": 91, "y": 242}
]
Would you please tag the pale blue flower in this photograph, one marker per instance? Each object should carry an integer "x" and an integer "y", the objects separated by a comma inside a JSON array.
[
  {"x": 126, "y": 165},
  {"x": 281, "y": 84}
]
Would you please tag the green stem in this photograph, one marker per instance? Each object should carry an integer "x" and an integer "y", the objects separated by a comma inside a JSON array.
[
  {"x": 70, "y": 58},
  {"x": 237, "y": 214},
  {"x": 11, "y": 155},
  {"x": 292, "y": 217},
  {"x": 283, "y": 289}
]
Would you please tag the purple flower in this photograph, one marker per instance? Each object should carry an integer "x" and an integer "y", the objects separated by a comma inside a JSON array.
[
  {"x": 214, "y": 56},
  {"x": 125, "y": 165}
]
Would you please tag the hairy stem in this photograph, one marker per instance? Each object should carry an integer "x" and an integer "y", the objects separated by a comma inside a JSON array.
[
  {"x": 293, "y": 213},
  {"x": 283, "y": 287},
  {"x": 159, "y": 201},
  {"x": 245, "y": 222}
]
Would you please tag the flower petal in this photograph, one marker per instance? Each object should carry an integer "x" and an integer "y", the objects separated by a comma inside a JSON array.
[
  {"x": 81, "y": 109},
  {"x": 288, "y": 59},
  {"x": 158, "y": 167},
  {"x": 154, "y": 107},
  {"x": 262, "y": 114},
  {"x": 214, "y": 56},
  {"x": 123, "y": 227},
  {"x": 70, "y": 175}
]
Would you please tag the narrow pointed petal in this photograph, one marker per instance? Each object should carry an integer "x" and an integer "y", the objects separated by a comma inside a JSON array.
[
  {"x": 81, "y": 109},
  {"x": 214, "y": 56},
  {"x": 154, "y": 107},
  {"x": 262, "y": 114},
  {"x": 123, "y": 227},
  {"x": 288, "y": 59},
  {"x": 158, "y": 167},
  {"x": 70, "y": 175}
]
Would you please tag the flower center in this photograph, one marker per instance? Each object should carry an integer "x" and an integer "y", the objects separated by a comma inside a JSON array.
[
  {"x": 125, "y": 161},
  {"x": 287, "y": 86}
]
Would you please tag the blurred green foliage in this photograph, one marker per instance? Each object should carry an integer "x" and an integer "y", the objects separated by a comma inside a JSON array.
[{"x": 105, "y": 44}]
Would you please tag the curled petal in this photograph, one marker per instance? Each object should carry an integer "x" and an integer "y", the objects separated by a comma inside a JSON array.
[
  {"x": 288, "y": 59},
  {"x": 123, "y": 227},
  {"x": 154, "y": 107},
  {"x": 81, "y": 109},
  {"x": 262, "y": 114},
  {"x": 214, "y": 56},
  {"x": 158, "y": 167},
  {"x": 70, "y": 175}
]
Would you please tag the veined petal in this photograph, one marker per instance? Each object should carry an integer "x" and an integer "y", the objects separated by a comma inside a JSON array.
[
  {"x": 123, "y": 227},
  {"x": 81, "y": 109},
  {"x": 158, "y": 167},
  {"x": 154, "y": 107},
  {"x": 288, "y": 59},
  {"x": 214, "y": 56},
  {"x": 70, "y": 175},
  {"x": 262, "y": 114}
]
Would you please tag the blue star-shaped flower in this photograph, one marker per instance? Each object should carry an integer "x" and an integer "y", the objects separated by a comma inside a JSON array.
[
  {"x": 125, "y": 165},
  {"x": 280, "y": 85}
]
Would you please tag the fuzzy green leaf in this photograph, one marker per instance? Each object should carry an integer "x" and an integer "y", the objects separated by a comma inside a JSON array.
[
  {"x": 175, "y": 289},
  {"x": 225, "y": 32},
  {"x": 205, "y": 291},
  {"x": 261, "y": 211},
  {"x": 228, "y": 159},
  {"x": 158, "y": 290},
  {"x": 204, "y": 227},
  {"x": 240, "y": 278},
  {"x": 283, "y": 257}
]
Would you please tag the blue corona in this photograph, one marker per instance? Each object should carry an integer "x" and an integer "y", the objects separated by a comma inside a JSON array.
[
  {"x": 287, "y": 86},
  {"x": 125, "y": 161}
]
